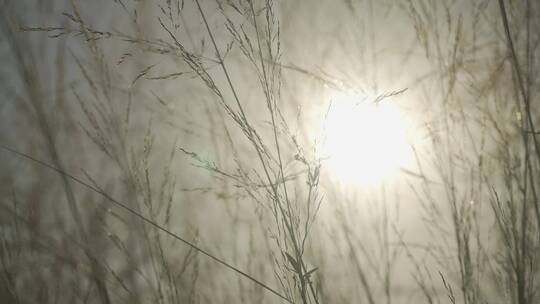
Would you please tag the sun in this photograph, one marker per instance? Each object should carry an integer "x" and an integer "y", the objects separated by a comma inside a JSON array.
[{"x": 364, "y": 142}]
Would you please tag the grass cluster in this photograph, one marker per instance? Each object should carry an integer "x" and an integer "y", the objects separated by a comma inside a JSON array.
[{"x": 167, "y": 155}]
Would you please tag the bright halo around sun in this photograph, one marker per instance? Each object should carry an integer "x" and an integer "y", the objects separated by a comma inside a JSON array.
[{"x": 364, "y": 142}]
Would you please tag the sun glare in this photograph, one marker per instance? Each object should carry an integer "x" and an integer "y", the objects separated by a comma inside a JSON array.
[{"x": 364, "y": 142}]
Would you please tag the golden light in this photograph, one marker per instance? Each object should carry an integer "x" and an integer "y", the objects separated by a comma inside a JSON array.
[{"x": 364, "y": 142}]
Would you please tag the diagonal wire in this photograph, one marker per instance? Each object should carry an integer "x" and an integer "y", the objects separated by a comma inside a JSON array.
[{"x": 145, "y": 219}]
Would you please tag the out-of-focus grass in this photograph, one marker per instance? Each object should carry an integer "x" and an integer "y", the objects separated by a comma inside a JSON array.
[{"x": 197, "y": 118}]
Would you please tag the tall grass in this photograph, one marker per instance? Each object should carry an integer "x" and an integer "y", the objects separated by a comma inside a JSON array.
[{"x": 168, "y": 155}]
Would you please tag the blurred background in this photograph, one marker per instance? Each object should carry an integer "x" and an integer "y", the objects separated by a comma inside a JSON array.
[{"x": 259, "y": 151}]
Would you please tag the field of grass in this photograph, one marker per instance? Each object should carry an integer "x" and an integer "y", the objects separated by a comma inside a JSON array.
[{"x": 269, "y": 151}]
